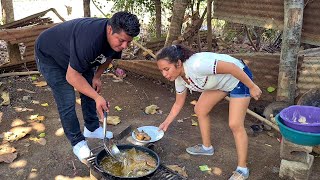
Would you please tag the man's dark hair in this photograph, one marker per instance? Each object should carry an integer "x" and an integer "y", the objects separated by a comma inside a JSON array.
[{"x": 125, "y": 21}]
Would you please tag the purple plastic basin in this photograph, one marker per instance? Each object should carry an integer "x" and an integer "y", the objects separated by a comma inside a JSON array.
[{"x": 302, "y": 118}]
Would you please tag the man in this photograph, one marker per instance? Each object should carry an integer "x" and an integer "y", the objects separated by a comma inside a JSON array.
[{"x": 67, "y": 56}]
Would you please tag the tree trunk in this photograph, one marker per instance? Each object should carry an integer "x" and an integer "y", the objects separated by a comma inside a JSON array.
[
  {"x": 7, "y": 11},
  {"x": 179, "y": 8},
  {"x": 209, "y": 26},
  {"x": 86, "y": 8},
  {"x": 293, "y": 16},
  {"x": 158, "y": 17},
  {"x": 8, "y": 17}
]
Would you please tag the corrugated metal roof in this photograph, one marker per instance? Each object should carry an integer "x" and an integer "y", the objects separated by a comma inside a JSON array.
[
  {"x": 309, "y": 74},
  {"x": 269, "y": 14}
]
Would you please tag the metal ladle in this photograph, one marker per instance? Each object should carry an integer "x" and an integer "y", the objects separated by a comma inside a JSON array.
[{"x": 108, "y": 144}]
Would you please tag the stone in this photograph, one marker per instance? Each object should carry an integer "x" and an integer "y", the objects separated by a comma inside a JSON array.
[
  {"x": 316, "y": 149},
  {"x": 295, "y": 170},
  {"x": 26, "y": 98},
  {"x": 294, "y": 152}
]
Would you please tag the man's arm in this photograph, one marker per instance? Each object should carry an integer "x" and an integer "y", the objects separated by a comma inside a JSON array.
[
  {"x": 102, "y": 68},
  {"x": 80, "y": 83}
]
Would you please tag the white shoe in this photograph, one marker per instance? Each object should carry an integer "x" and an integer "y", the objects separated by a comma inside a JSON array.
[
  {"x": 81, "y": 150},
  {"x": 98, "y": 133}
]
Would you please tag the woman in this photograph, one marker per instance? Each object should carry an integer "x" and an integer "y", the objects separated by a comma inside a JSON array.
[{"x": 216, "y": 76}]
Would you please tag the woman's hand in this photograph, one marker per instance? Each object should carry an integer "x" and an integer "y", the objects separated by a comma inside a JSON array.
[
  {"x": 96, "y": 84},
  {"x": 255, "y": 92},
  {"x": 164, "y": 126}
]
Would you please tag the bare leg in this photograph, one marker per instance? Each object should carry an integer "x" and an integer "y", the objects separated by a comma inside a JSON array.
[
  {"x": 206, "y": 102},
  {"x": 237, "y": 113}
]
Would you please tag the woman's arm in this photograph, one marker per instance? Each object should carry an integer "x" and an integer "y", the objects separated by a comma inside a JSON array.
[
  {"x": 234, "y": 70},
  {"x": 176, "y": 108}
]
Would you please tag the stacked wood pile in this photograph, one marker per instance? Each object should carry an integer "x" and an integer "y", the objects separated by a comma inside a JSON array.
[
  {"x": 25, "y": 35},
  {"x": 24, "y": 32}
]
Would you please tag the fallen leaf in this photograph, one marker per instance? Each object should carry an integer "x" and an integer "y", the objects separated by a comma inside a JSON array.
[
  {"x": 6, "y": 148},
  {"x": 178, "y": 169},
  {"x": 40, "y": 83},
  {"x": 117, "y": 108},
  {"x": 42, "y": 135},
  {"x": 194, "y": 102},
  {"x": 22, "y": 109},
  {"x": 271, "y": 89},
  {"x": 6, "y": 98},
  {"x": 35, "y": 102},
  {"x": 26, "y": 90},
  {"x": 45, "y": 104},
  {"x": 113, "y": 120},
  {"x": 41, "y": 118},
  {"x": 204, "y": 168},
  {"x": 17, "y": 122},
  {"x": 37, "y": 126},
  {"x": 41, "y": 141},
  {"x": 8, "y": 158},
  {"x": 152, "y": 109},
  {"x": 217, "y": 171},
  {"x": 35, "y": 139},
  {"x": 16, "y": 133},
  {"x": 33, "y": 116},
  {"x": 33, "y": 78},
  {"x": 1, "y": 113},
  {"x": 194, "y": 123}
]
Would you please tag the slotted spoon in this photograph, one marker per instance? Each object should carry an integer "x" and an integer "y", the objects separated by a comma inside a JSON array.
[{"x": 108, "y": 144}]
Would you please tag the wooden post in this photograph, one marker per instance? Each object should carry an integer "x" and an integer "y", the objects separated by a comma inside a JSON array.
[
  {"x": 209, "y": 26},
  {"x": 293, "y": 16},
  {"x": 86, "y": 8},
  {"x": 8, "y": 14}
]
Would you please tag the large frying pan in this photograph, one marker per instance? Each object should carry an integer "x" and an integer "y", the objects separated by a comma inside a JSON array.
[{"x": 103, "y": 154}]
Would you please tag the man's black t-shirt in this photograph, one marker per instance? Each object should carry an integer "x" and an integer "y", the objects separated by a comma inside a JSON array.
[{"x": 82, "y": 43}]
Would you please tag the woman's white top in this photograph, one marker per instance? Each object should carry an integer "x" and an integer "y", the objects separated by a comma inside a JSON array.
[{"x": 200, "y": 70}]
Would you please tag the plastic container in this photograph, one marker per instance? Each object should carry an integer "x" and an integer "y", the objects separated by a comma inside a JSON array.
[
  {"x": 302, "y": 118},
  {"x": 297, "y": 137}
]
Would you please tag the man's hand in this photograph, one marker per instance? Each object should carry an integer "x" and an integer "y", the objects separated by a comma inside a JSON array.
[
  {"x": 101, "y": 106},
  {"x": 96, "y": 84}
]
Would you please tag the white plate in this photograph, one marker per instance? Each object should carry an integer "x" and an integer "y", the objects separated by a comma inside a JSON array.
[{"x": 152, "y": 131}]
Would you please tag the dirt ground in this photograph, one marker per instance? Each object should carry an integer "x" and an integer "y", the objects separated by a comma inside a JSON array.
[{"x": 55, "y": 159}]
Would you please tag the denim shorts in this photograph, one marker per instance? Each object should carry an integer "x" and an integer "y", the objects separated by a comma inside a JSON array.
[{"x": 241, "y": 90}]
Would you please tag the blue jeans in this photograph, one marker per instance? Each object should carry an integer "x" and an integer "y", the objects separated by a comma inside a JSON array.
[
  {"x": 242, "y": 90},
  {"x": 65, "y": 98}
]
